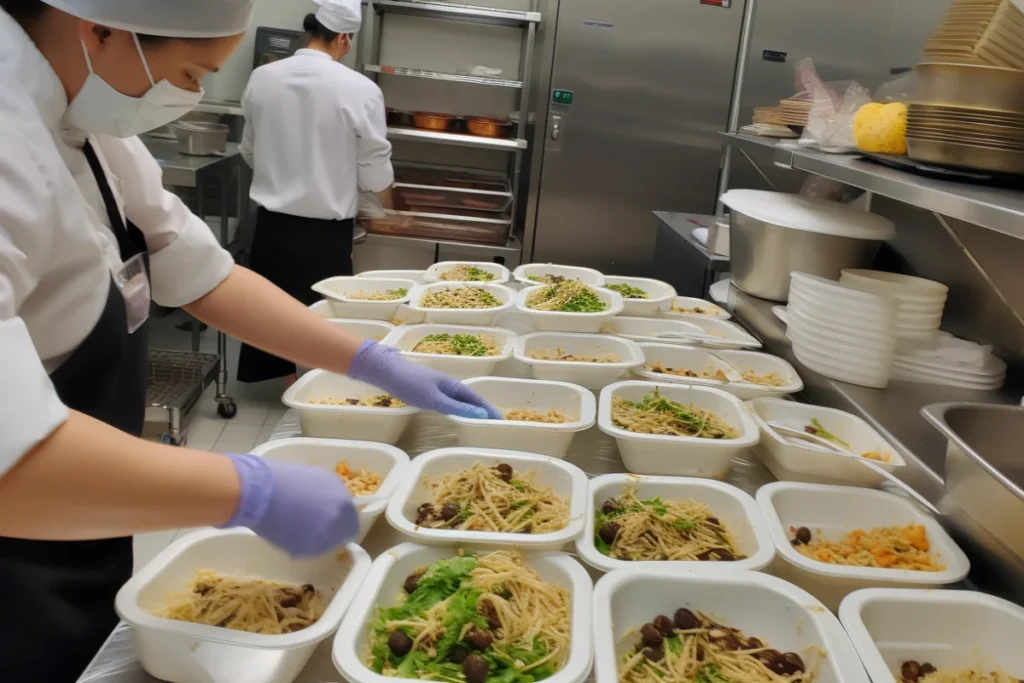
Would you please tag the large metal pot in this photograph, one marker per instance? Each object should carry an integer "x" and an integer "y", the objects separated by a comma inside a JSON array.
[
  {"x": 763, "y": 255},
  {"x": 201, "y": 138}
]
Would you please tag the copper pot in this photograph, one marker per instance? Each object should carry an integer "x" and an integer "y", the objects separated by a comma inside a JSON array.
[
  {"x": 430, "y": 121},
  {"x": 488, "y": 127},
  {"x": 399, "y": 118}
]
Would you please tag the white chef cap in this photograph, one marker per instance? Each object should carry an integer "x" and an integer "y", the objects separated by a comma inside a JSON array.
[
  {"x": 167, "y": 18},
  {"x": 340, "y": 16}
]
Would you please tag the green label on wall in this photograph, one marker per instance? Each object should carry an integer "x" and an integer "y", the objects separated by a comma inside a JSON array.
[{"x": 561, "y": 97}]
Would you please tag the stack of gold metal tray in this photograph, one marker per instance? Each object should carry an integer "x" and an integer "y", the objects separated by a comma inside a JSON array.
[
  {"x": 988, "y": 32},
  {"x": 768, "y": 115},
  {"x": 795, "y": 111},
  {"x": 967, "y": 116}
]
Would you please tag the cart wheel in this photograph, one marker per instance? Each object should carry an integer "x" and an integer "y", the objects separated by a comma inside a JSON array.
[
  {"x": 168, "y": 440},
  {"x": 227, "y": 410}
]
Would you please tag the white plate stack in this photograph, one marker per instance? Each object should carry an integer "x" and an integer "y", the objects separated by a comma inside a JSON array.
[
  {"x": 840, "y": 332},
  {"x": 919, "y": 302},
  {"x": 951, "y": 362}
]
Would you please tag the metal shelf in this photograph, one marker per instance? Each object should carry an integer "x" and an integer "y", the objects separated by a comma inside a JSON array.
[
  {"x": 513, "y": 246},
  {"x": 441, "y": 76},
  {"x": 996, "y": 208},
  {"x": 453, "y": 12},
  {"x": 457, "y": 139}
]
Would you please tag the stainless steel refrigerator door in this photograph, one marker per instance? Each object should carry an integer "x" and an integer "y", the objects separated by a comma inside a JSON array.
[{"x": 651, "y": 82}]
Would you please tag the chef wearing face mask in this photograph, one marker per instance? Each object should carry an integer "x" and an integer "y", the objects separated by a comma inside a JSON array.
[
  {"x": 87, "y": 236},
  {"x": 315, "y": 135}
]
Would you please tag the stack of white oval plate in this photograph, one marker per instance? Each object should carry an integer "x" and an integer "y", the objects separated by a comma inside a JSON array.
[
  {"x": 951, "y": 362},
  {"x": 919, "y": 302},
  {"x": 840, "y": 332}
]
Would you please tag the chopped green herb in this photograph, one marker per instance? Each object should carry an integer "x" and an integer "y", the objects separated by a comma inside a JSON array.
[{"x": 629, "y": 291}]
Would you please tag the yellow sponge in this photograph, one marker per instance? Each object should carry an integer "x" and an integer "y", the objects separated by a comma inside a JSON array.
[{"x": 881, "y": 128}]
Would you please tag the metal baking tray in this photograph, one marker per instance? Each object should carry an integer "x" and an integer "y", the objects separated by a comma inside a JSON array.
[
  {"x": 457, "y": 226},
  {"x": 447, "y": 188}
]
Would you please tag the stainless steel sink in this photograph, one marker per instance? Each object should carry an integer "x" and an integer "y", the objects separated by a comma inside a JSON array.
[{"x": 985, "y": 465}]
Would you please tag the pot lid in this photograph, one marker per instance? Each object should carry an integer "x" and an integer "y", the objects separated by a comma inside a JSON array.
[{"x": 809, "y": 214}]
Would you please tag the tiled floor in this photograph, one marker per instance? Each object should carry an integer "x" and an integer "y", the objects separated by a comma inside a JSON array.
[{"x": 259, "y": 410}]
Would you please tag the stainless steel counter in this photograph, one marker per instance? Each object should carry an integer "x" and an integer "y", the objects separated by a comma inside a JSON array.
[
  {"x": 183, "y": 170},
  {"x": 995, "y": 208}
]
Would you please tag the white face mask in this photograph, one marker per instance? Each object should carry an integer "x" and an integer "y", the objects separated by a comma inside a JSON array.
[{"x": 100, "y": 109}]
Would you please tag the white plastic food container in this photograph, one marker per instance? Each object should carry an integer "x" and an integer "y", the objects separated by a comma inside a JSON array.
[
  {"x": 182, "y": 652},
  {"x": 835, "y": 511},
  {"x": 679, "y": 455},
  {"x": 363, "y": 329},
  {"x": 594, "y": 376},
  {"x": 649, "y": 329},
  {"x": 762, "y": 363},
  {"x": 462, "y": 316},
  {"x": 790, "y": 461},
  {"x": 780, "y": 614},
  {"x": 562, "y": 478},
  {"x": 559, "y": 321},
  {"x": 322, "y": 308},
  {"x": 735, "y": 508},
  {"x": 724, "y": 331},
  {"x": 659, "y": 295},
  {"x": 406, "y": 337},
  {"x": 685, "y": 358},
  {"x": 523, "y": 273},
  {"x": 358, "y": 423},
  {"x": 500, "y": 272},
  {"x": 505, "y": 393},
  {"x": 388, "y": 574},
  {"x": 948, "y": 629},
  {"x": 387, "y": 461},
  {"x": 689, "y": 302},
  {"x": 337, "y": 290},
  {"x": 416, "y": 276}
]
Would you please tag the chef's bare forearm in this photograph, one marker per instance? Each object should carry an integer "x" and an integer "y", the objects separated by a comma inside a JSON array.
[
  {"x": 88, "y": 480},
  {"x": 250, "y": 308}
]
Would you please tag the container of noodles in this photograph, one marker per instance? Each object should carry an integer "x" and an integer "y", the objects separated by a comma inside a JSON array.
[
  {"x": 540, "y": 416},
  {"x": 704, "y": 625},
  {"x": 275, "y": 609},
  {"x": 467, "y": 271},
  {"x": 674, "y": 429},
  {"x": 592, "y": 361},
  {"x": 569, "y": 306},
  {"x": 362, "y": 329},
  {"x": 832, "y": 540},
  {"x": 928, "y": 636},
  {"x": 462, "y": 351},
  {"x": 532, "y": 274},
  {"x": 363, "y": 297},
  {"x": 641, "y": 296},
  {"x": 647, "y": 522},
  {"x": 333, "y": 406},
  {"x": 490, "y": 497},
  {"x": 463, "y": 615},
  {"x": 461, "y": 303},
  {"x": 372, "y": 471},
  {"x": 744, "y": 374},
  {"x": 416, "y": 276}
]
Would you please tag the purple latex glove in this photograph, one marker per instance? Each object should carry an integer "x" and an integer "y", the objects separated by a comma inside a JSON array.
[
  {"x": 303, "y": 510},
  {"x": 419, "y": 386}
]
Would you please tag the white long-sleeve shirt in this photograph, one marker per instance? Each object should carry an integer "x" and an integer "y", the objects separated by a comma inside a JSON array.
[
  {"x": 315, "y": 135},
  {"x": 56, "y": 247}
]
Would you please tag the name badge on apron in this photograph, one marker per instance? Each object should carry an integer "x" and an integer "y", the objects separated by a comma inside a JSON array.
[{"x": 133, "y": 283}]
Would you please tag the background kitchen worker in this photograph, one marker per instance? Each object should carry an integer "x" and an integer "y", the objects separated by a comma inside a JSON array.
[
  {"x": 315, "y": 135},
  {"x": 86, "y": 232}
]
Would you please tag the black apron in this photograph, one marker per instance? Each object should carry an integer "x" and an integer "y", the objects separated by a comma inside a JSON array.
[
  {"x": 294, "y": 253},
  {"x": 59, "y": 595}
]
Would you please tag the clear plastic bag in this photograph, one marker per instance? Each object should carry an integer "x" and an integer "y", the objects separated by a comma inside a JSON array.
[{"x": 833, "y": 106}]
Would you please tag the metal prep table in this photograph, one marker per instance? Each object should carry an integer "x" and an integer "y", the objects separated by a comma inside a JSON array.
[
  {"x": 682, "y": 261},
  {"x": 593, "y": 451},
  {"x": 180, "y": 374}
]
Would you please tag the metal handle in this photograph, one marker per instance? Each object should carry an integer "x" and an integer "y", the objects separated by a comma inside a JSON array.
[{"x": 556, "y": 127}]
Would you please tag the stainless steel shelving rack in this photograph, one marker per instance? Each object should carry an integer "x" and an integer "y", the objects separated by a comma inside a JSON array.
[{"x": 528, "y": 21}]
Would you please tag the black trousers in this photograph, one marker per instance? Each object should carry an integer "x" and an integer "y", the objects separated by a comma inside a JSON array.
[{"x": 294, "y": 253}]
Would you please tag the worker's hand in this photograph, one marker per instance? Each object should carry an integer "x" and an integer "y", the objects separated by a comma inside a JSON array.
[
  {"x": 417, "y": 385},
  {"x": 303, "y": 510}
]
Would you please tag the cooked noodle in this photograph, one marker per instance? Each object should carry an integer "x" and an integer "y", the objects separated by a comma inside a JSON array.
[
  {"x": 526, "y": 415},
  {"x": 360, "y": 483},
  {"x": 458, "y": 345},
  {"x": 474, "y": 618},
  {"x": 657, "y": 415},
  {"x": 560, "y": 355},
  {"x": 493, "y": 499},
  {"x": 627, "y": 528},
  {"x": 547, "y": 279},
  {"x": 389, "y": 295},
  {"x": 379, "y": 401},
  {"x": 710, "y": 373},
  {"x": 768, "y": 379},
  {"x": 459, "y": 297},
  {"x": 466, "y": 273},
  {"x": 692, "y": 648},
  {"x": 912, "y": 671},
  {"x": 568, "y": 296},
  {"x": 629, "y": 291},
  {"x": 697, "y": 310},
  {"x": 894, "y": 547},
  {"x": 244, "y": 604}
]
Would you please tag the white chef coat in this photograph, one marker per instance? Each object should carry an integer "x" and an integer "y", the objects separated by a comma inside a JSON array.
[
  {"x": 56, "y": 247},
  {"x": 315, "y": 135}
]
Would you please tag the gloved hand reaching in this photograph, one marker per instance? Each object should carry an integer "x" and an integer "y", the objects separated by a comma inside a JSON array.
[
  {"x": 303, "y": 510},
  {"x": 419, "y": 386}
]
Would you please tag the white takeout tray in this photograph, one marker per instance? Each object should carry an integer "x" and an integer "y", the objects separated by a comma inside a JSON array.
[
  {"x": 406, "y": 337},
  {"x": 184, "y": 652},
  {"x": 523, "y": 273},
  {"x": 360, "y": 328},
  {"x": 559, "y": 321},
  {"x": 836, "y": 510},
  {"x": 387, "y": 461},
  {"x": 735, "y": 508},
  {"x": 594, "y": 376},
  {"x": 414, "y": 275},
  {"x": 337, "y": 290},
  {"x": 659, "y": 294},
  {"x": 785, "y": 617},
  {"x": 500, "y": 272},
  {"x": 564, "y": 479},
  {"x": 388, "y": 574},
  {"x": 462, "y": 316},
  {"x": 691, "y": 302}
]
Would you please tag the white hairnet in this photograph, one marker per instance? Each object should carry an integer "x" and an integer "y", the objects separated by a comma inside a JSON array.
[
  {"x": 168, "y": 18},
  {"x": 340, "y": 16}
]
